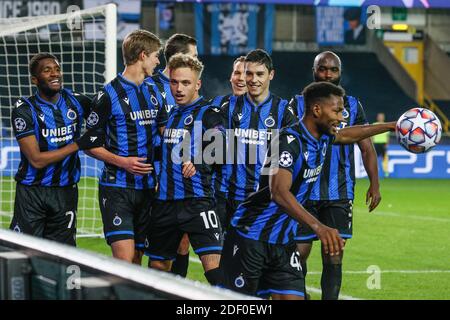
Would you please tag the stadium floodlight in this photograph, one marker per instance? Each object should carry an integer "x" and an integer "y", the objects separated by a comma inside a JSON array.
[
  {"x": 86, "y": 45},
  {"x": 162, "y": 285}
]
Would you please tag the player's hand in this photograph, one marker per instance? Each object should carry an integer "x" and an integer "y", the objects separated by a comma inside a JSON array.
[
  {"x": 136, "y": 166},
  {"x": 373, "y": 197},
  {"x": 332, "y": 242},
  {"x": 188, "y": 170}
]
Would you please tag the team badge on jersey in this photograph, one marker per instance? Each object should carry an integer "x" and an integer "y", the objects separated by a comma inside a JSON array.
[
  {"x": 92, "y": 119},
  {"x": 345, "y": 114},
  {"x": 286, "y": 159},
  {"x": 117, "y": 221},
  {"x": 71, "y": 115},
  {"x": 154, "y": 100},
  {"x": 269, "y": 122},
  {"x": 188, "y": 120},
  {"x": 20, "y": 124}
]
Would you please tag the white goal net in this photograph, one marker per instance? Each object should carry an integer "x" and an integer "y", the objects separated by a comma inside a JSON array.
[{"x": 85, "y": 44}]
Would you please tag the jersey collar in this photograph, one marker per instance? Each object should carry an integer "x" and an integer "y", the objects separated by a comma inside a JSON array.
[
  {"x": 189, "y": 107},
  {"x": 269, "y": 97},
  {"x": 48, "y": 103}
]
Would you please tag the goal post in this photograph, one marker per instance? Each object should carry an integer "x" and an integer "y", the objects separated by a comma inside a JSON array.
[{"x": 85, "y": 42}]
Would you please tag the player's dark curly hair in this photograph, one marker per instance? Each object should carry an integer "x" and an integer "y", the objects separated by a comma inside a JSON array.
[
  {"x": 34, "y": 62},
  {"x": 317, "y": 91},
  {"x": 260, "y": 56}
]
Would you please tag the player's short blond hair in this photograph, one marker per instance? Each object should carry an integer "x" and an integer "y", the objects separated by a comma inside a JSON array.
[
  {"x": 136, "y": 42},
  {"x": 181, "y": 60}
]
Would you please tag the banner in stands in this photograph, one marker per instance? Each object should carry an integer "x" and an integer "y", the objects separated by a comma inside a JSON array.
[
  {"x": 18, "y": 8},
  {"x": 349, "y": 3},
  {"x": 233, "y": 28},
  {"x": 339, "y": 25},
  {"x": 129, "y": 13},
  {"x": 434, "y": 164}
]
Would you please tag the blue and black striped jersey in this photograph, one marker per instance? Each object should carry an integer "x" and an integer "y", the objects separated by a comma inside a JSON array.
[
  {"x": 54, "y": 126},
  {"x": 220, "y": 178},
  {"x": 183, "y": 140},
  {"x": 252, "y": 128},
  {"x": 338, "y": 175},
  {"x": 128, "y": 115},
  {"x": 162, "y": 84},
  {"x": 260, "y": 218}
]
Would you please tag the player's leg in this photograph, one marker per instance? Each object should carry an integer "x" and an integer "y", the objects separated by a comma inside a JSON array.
[
  {"x": 181, "y": 263},
  {"x": 143, "y": 202},
  {"x": 199, "y": 219},
  {"x": 283, "y": 278},
  {"x": 163, "y": 235},
  {"x": 29, "y": 211},
  {"x": 241, "y": 263},
  {"x": 116, "y": 206},
  {"x": 61, "y": 217},
  {"x": 335, "y": 214}
]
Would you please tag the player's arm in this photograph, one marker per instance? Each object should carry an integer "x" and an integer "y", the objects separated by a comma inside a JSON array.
[
  {"x": 289, "y": 117},
  {"x": 96, "y": 125},
  {"x": 280, "y": 185},
  {"x": 354, "y": 134},
  {"x": 370, "y": 161},
  {"x": 30, "y": 148},
  {"x": 23, "y": 126}
]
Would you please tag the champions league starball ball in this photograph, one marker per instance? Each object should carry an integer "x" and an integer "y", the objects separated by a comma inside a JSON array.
[{"x": 418, "y": 130}]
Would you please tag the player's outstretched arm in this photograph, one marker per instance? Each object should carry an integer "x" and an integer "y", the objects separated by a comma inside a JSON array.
[
  {"x": 354, "y": 134},
  {"x": 280, "y": 184},
  {"x": 30, "y": 148}
]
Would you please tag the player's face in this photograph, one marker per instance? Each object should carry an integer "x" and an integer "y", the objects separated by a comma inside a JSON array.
[
  {"x": 330, "y": 115},
  {"x": 257, "y": 78},
  {"x": 327, "y": 69},
  {"x": 192, "y": 50},
  {"x": 48, "y": 77},
  {"x": 238, "y": 79},
  {"x": 150, "y": 62},
  {"x": 184, "y": 85}
]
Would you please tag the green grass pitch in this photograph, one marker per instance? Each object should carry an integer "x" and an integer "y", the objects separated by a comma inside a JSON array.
[{"x": 406, "y": 239}]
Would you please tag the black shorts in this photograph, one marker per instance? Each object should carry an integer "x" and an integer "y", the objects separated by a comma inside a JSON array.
[
  {"x": 125, "y": 213},
  {"x": 225, "y": 209},
  {"x": 171, "y": 219},
  {"x": 336, "y": 214},
  {"x": 46, "y": 212},
  {"x": 380, "y": 148},
  {"x": 259, "y": 268}
]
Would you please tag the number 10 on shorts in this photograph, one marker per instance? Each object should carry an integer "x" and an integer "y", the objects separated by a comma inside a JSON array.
[{"x": 209, "y": 219}]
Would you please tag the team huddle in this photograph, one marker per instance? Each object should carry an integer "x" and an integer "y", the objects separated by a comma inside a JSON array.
[{"x": 247, "y": 179}]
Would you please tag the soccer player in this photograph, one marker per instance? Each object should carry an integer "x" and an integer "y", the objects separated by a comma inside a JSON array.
[
  {"x": 47, "y": 127},
  {"x": 186, "y": 205},
  {"x": 331, "y": 199},
  {"x": 126, "y": 111},
  {"x": 177, "y": 43},
  {"x": 260, "y": 255},
  {"x": 239, "y": 87},
  {"x": 381, "y": 142},
  {"x": 253, "y": 118}
]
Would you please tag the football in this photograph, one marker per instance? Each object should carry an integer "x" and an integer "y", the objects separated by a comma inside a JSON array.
[{"x": 418, "y": 130}]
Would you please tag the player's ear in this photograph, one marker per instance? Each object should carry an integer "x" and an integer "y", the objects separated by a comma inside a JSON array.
[
  {"x": 198, "y": 85},
  {"x": 34, "y": 80},
  {"x": 316, "y": 110},
  {"x": 271, "y": 74},
  {"x": 142, "y": 55}
]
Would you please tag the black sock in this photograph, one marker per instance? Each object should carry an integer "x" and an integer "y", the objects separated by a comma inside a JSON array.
[
  {"x": 214, "y": 276},
  {"x": 331, "y": 281},
  {"x": 180, "y": 265}
]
